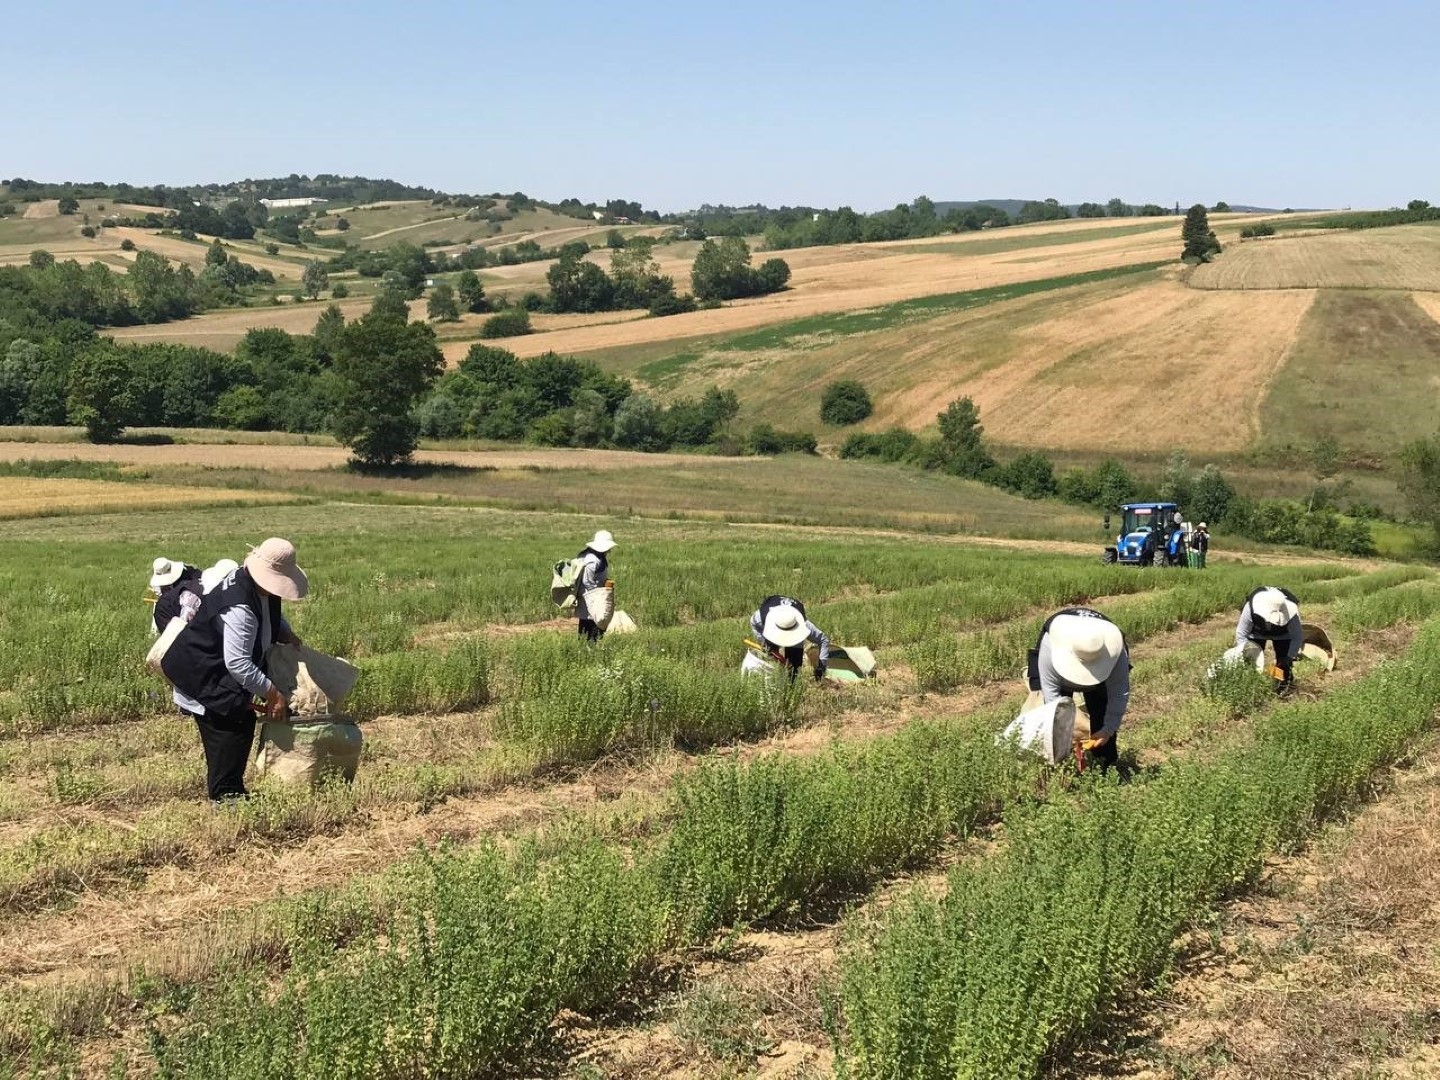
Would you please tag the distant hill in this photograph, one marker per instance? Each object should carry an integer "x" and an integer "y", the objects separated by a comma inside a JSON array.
[{"x": 1012, "y": 206}]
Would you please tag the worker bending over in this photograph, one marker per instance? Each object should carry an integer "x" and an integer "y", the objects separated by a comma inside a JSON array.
[
  {"x": 782, "y": 627},
  {"x": 1082, "y": 652},
  {"x": 1271, "y": 615}
]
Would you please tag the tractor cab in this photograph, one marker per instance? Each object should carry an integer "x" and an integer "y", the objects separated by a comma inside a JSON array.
[{"x": 1148, "y": 534}]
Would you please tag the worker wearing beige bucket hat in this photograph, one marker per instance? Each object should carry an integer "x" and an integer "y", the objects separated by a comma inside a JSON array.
[
  {"x": 594, "y": 591},
  {"x": 781, "y": 625},
  {"x": 1080, "y": 651},
  {"x": 216, "y": 664},
  {"x": 1270, "y": 616}
]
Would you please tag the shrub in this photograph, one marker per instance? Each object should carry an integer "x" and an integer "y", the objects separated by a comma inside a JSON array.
[
  {"x": 340, "y": 291},
  {"x": 897, "y": 444},
  {"x": 845, "y": 402},
  {"x": 767, "y": 441},
  {"x": 1031, "y": 474},
  {"x": 88, "y": 231},
  {"x": 670, "y": 304},
  {"x": 511, "y": 323},
  {"x": 127, "y": 244}
]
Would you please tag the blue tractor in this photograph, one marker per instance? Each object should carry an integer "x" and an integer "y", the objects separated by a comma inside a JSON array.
[{"x": 1150, "y": 535}]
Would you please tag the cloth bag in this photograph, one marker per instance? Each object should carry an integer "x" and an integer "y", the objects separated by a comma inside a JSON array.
[
  {"x": 317, "y": 741},
  {"x": 1046, "y": 730},
  {"x": 161, "y": 645},
  {"x": 599, "y": 606},
  {"x": 563, "y": 577}
]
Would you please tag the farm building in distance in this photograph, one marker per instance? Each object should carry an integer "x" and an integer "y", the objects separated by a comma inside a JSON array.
[{"x": 285, "y": 204}]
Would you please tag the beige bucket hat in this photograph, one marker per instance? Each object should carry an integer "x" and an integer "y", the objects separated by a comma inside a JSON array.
[
  {"x": 602, "y": 541},
  {"x": 1084, "y": 649},
  {"x": 784, "y": 626},
  {"x": 1274, "y": 607},
  {"x": 274, "y": 569},
  {"x": 165, "y": 571}
]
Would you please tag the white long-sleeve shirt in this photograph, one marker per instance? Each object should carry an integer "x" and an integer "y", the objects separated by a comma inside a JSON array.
[{"x": 1251, "y": 628}]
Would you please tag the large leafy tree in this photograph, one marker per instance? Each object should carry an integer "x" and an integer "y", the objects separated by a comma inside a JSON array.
[
  {"x": 100, "y": 392},
  {"x": 383, "y": 364}
]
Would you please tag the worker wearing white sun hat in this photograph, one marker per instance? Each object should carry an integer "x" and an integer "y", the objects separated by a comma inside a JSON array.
[
  {"x": 781, "y": 624},
  {"x": 1270, "y": 616},
  {"x": 594, "y": 594},
  {"x": 1082, "y": 652}
]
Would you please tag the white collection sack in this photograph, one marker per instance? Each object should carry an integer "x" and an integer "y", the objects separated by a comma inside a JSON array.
[{"x": 1048, "y": 730}]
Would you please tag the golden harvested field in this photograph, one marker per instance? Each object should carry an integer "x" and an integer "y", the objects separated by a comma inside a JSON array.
[
  {"x": 312, "y": 458},
  {"x": 1402, "y": 257},
  {"x": 850, "y": 278},
  {"x": 106, "y": 247},
  {"x": 1141, "y": 362},
  {"x": 824, "y": 279},
  {"x": 27, "y": 497},
  {"x": 223, "y": 330}
]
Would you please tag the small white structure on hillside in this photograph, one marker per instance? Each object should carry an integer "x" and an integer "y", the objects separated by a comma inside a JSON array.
[{"x": 285, "y": 204}]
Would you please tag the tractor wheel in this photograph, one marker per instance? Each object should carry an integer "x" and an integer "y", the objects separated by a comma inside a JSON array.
[{"x": 1110, "y": 556}]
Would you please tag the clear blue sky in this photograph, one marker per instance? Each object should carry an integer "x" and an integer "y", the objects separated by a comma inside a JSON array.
[{"x": 789, "y": 101}]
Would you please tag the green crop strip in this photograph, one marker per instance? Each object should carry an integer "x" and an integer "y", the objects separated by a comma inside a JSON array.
[
  {"x": 1027, "y": 951},
  {"x": 453, "y": 985}
]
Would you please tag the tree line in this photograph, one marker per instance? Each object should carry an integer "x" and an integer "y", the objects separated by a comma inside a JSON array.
[{"x": 960, "y": 449}]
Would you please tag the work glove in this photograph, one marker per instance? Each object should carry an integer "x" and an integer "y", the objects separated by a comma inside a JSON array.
[{"x": 820, "y": 671}]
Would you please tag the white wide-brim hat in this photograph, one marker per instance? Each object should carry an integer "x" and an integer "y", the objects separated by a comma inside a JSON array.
[
  {"x": 785, "y": 626},
  {"x": 1084, "y": 649},
  {"x": 601, "y": 542},
  {"x": 275, "y": 570},
  {"x": 165, "y": 571},
  {"x": 213, "y": 575},
  {"x": 1274, "y": 607}
]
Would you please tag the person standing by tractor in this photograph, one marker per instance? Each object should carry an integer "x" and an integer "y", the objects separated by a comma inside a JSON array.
[
  {"x": 1270, "y": 616},
  {"x": 594, "y": 591},
  {"x": 781, "y": 625},
  {"x": 1080, "y": 651},
  {"x": 1200, "y": 544}
]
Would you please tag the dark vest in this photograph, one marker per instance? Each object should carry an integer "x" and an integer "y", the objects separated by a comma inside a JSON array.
[
  {"x": 1032, "y": 658},
  {"x": 195, "y": 663},
  {"x": 1260, "y": 630},
  {"x": 771, "y": 602},
  {"x": 167, "y": 604}
]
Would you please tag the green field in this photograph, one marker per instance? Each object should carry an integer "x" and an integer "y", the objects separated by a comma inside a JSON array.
[
  {"x": 479, "y": 706},
  {"x": 1362, "y": 372}
]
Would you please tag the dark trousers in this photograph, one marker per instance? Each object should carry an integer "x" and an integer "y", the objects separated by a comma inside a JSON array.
[
  {"x": 227, "y": 741},
  {"x": 1096, "y": 701},
  {"x": 590, "y": 630}
]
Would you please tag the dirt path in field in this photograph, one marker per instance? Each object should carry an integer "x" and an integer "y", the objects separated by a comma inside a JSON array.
[
  {"x": 1326, "y": 970},
  {"x": 414, "y": 225},
  {"x": 307, "y": 458},
  {"x": 45, "y": 208}
]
